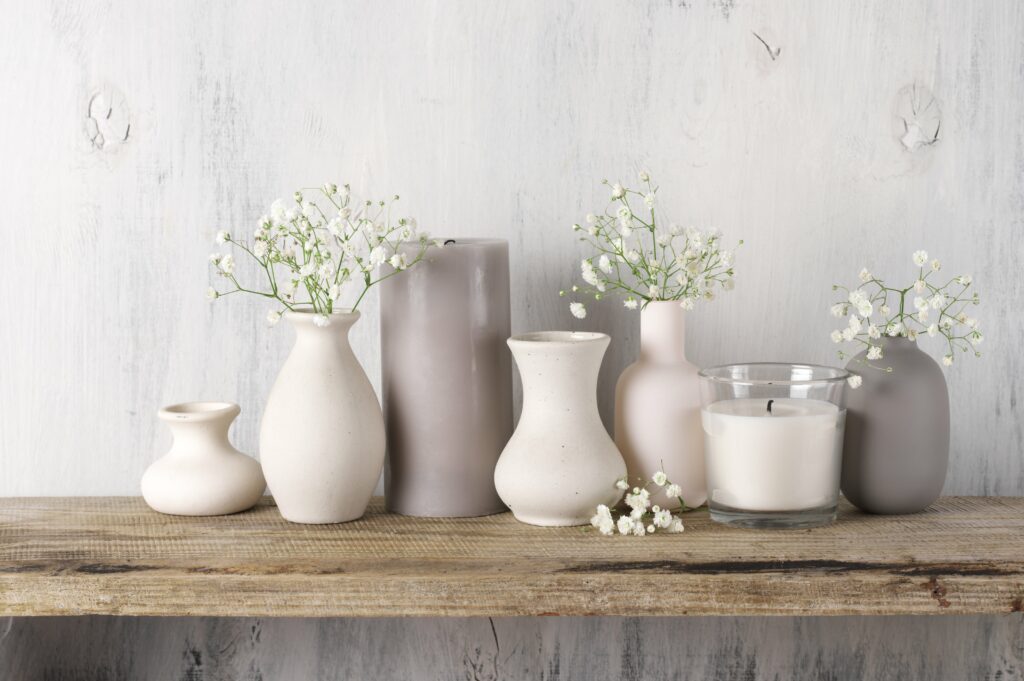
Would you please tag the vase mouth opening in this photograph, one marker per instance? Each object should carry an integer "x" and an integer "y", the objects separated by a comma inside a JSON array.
[
  {"x": 774, "y": 373},
  {"x": 198, "y": 411},
  {"x": 559, "y": 337}
]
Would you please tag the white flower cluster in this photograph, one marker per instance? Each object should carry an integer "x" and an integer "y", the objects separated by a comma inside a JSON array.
[
  {"x": 308, "y": 252},
  {"x": 930, "y": 305},
  {"x": 642, "y": 261},
  {"x": 643, "y": 518}
]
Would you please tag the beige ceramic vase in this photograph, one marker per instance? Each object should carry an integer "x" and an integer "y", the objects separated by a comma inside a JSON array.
[
  {"x": 657, "y": 407},
  {"x": 202, "y": 474},
  {"x": 322, "y": 436},
  {"x": 560, "y": 463}
]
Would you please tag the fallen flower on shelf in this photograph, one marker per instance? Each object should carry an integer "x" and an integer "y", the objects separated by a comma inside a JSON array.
[{"x": 643, "y": 518}]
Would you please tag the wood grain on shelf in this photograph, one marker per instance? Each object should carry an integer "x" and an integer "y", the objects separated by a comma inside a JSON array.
[{"x": 71, "y": 556}]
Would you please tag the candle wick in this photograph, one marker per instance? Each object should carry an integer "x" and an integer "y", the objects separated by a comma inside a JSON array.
[
  {"x": 449, "y": 241},
  {"x": 770, "y": 406}
]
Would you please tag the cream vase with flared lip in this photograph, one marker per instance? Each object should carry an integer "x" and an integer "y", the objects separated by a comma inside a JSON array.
[
  {"x": 202, "y": 474},
  {"x": 560, "y": 463}
]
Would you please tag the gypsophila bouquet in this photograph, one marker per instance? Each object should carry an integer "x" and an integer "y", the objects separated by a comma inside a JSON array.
[
  {"x": 642, "y": 518},
  {"x": 643, "y": 260},
  {"x": 311, "y": 252},
  {"x": 932, "y": 305}
]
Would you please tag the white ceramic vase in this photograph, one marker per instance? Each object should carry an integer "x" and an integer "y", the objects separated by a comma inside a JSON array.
[
  {"x": 657, "y": 408},
  {"x": 202, "y": 474},
  {"x": 560, "y": 463},
  {"x": 322, "y": 436}
]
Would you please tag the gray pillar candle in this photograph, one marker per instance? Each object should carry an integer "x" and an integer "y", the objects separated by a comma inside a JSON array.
[{"x": 447, "y": 379}]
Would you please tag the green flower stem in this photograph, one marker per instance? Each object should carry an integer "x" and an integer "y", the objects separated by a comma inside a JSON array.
[{"x": 948, "y": 317}]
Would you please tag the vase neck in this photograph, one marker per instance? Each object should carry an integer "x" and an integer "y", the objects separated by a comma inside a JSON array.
[
  {"x": 194, "y": 426},
  {"x": 896, "y": 343},
  {"x": 663, "y": 332},
  {"x": 559, "y": 375},
  {"x": 308, "y": 334},
  {"x": 195, "y": 439}
]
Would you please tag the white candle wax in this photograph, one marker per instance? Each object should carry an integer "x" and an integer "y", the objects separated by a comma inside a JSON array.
[{"x": 788, "y": 459}]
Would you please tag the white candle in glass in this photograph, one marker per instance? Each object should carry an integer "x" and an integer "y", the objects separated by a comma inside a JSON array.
[{"x": 786, "y": 459}]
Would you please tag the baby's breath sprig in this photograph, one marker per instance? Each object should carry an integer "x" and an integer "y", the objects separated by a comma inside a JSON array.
[
  {"x": 311, "y": 252},
  {"x": 638, "y": 258},
  {"x": 642, "y": 518},
  {"x": 930, "y": 305}
]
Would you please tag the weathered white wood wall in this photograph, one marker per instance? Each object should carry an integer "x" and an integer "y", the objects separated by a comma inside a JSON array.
[{"x": 131, "y": 131}]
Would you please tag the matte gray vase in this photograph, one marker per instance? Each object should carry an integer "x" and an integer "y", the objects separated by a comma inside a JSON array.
[{"x": 897, "y": 431}]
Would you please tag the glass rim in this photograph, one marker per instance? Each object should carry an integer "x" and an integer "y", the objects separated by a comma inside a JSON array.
[{"x": 831, "y": 374}]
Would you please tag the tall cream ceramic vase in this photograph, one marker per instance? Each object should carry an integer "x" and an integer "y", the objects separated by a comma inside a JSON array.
[
  {"x": 657, "y": 407},
  {"x": 560, "y": 463},
  {"x": 322, "y": 436}
]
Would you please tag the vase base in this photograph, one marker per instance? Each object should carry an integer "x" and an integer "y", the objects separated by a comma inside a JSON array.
[
  {"x": 320, "y": 522},
  {"x": 551, "y": 522},
  {"x": 777, "y": 520},
  {"x": 319, "y": 519}
]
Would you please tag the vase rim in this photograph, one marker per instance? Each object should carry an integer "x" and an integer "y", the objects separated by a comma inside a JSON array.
[
  {"x": 558, "y": 337},
  {"x": 193, "y": 412},
  {"x": 774, "y": 373},
  {"x": 306, "y": 314}
]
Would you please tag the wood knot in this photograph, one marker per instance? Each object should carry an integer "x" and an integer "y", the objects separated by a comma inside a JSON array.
[
  {"x": 938, "y": 591},
  {"x": 108, "y": 120},
  {"x": 919, "y": 117}
]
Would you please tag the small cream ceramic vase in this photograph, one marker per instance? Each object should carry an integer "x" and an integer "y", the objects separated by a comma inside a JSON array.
[
  {"x": 202, "y": 474},
  {"x": 657, "y": 408},
  {"x": 322, "y": 435},
  {"x": 560, "y": 463}
]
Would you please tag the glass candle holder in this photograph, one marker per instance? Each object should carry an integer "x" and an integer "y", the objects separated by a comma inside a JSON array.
[{"x": 773, "y": 443}]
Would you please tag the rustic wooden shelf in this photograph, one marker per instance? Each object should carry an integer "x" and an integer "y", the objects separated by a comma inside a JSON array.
[{"x": 113, "y": 556}]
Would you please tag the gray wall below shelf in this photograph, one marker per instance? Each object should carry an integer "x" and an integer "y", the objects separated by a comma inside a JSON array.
[
  {"x": 479, "y": 649},
  {"x": 133, "y": 131}
]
